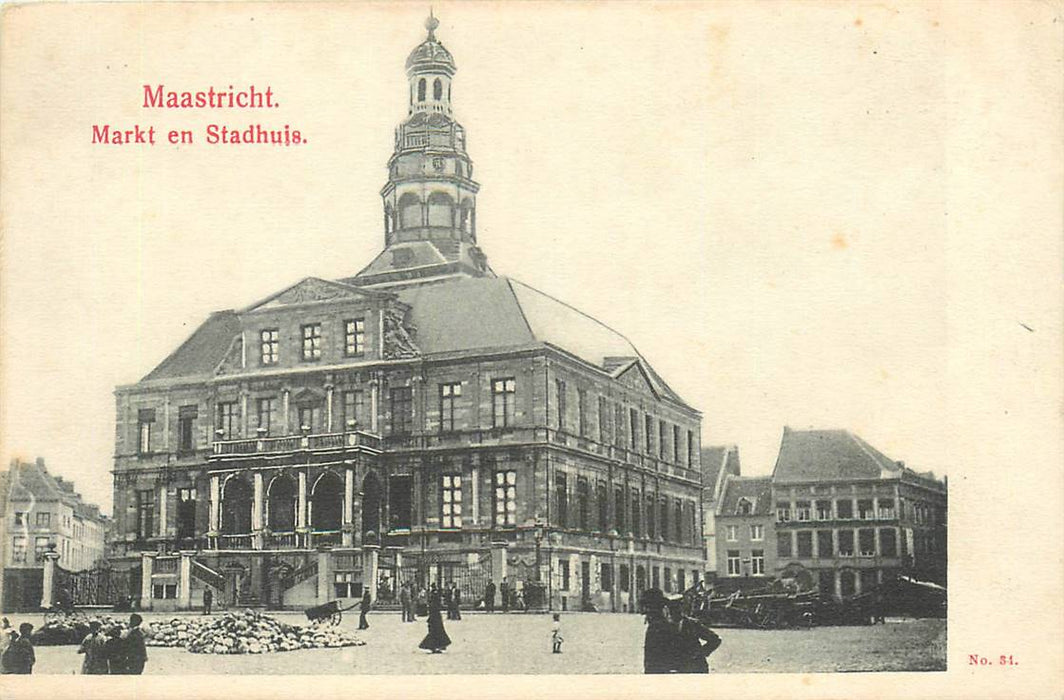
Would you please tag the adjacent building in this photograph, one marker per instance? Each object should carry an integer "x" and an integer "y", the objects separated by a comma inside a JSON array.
[
  {"x": 423, "y": 419},
  {"x": 718, "y": 462},
  {"x": 745, "y": 545}
]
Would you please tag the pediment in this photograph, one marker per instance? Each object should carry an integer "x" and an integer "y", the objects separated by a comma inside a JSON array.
[
  {"x": 634, "y": 376},
  {"x": 313, "y": 290}
]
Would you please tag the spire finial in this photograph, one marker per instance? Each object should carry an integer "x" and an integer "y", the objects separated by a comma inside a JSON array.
[{"x": 431, "y": 23}]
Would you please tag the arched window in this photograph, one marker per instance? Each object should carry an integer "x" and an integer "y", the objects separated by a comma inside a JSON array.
[
  {"x": 327, "y": 503},
  {"x": 409, "y": 211},
  {"x": 441, "y": 210},
  {"x": 437, "y": 90},
  {"x": 421, "y": 90},
  {"x": 281, "y": 504},
  {"x": 236, "y": 506}
]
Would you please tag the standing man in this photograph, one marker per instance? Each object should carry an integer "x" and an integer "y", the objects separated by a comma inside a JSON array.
[
  {"x": 660, "y": 644},
  {"x": 19, "y": 656},
  {"x": 694, "y": 640},
  {"x": 363, "y": 608},
  {"x": 455, "y": 612},
  {"x": 504, "y": 592},
  {"x": 404, "y": 602},
  {"x": 94, "y": 647},
  {"x": 489, "y": 596},
  {"x": 137, "y": 652},
  {"x": 208, "y": 598}
]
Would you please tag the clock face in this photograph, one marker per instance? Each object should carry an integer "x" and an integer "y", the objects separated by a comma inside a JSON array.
[{"x": 437, "y": 163}]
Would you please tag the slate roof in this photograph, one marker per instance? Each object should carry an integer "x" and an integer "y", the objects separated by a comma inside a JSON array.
[
  {"x": 825, "y": 455},
  {"x": 756, "y": 489},
  {"x": 452, "y": 315},
  {"x": 31, "y": 481},
  {"x": 712, "y": 460},
  {"x": 203, "y": 350}
]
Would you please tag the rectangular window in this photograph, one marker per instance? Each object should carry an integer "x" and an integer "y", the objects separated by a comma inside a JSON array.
[
  {"x": 681, "y": 580},
  {"x": 783, "y": 511},
  {"x": 311, "y": 342},
  {"x": 186, "y": 513},
  {"x": 310, "y": 418},
  {"x": 18, "y": 550},
  {"x": 506, "y": 498},
  {"x": 145, "y": 513},
  {"x": 733, "y": 533},
  {"x": 582, "y": 503},
  {"x": 449, "y": 394},
  {"x": 783, "y": 544},
  {"x": 503, "y": 401},
  {"x": 866, "y": 540},
  {"x": 676, "y": 444},
  {"x": 637, "y": 509},
  {"x": 40, "y": 546},
  {"x": 618, "y": 510},
  {"x": 691, "y": 458},
  {"x": 563, "y": 569},
  {"x": 269, "y": 346},
  {"x": 603, "y": 420},
  {"x": 561, "y": 492},
  {"x": 864, "y": 509},
  {"x": 618, "y": 425},
  {"x": 581, "y": 411},
  {"x": 663, "y": 439},
  {"x": 757, "y": 562},
  {"x": 559, "y": 390},
  {"x": 602, "y": 500},
  {"x": 226, "y": 424},
  {"x": 886, "y": 508},
  {"x": 655, "y": 576},
  {"x": 606, "y": 577},
  {"x": 845, "y": 543},
  {"x": 648, "y": 432},
  {"x": 20, "y": 516},
  {"x": 451, "y": 501},
  {"x": 354, "y": 337},
  {"x": 402, "y": 410},
  {"x": 757, "y": 533},
  {"x": 44, "y": 519},
  {"x": 824, "y": 547},
  {"x": 844, "y": 509},
  {"x": 186, "y": 428},
  {"x": 668, "y": 580},
  {"x": 663, "y": 513},
  {"x": 346, "y": 586},
  {"x": 734, "y": 563},
  {"x": 633, "y": 432},
  {"x": 353, "y": 405},
  {"x": 888, "y": 542},
  {"x": 677, "y": 526},
  {"x": 266, "y": 415},
  {"x": 145, "y": 420},
  {"x": 624, "y": 577},
  {"x": 801, "y": 510},
  {"x": 805, "y": 544},
  {"x": 823, "y": 510},
  {"x": 651, "y": 521}
]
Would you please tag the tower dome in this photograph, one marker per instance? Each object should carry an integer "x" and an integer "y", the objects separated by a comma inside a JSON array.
[{"x": 430, "y": 56}]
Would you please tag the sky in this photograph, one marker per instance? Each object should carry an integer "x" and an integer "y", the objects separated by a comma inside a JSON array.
[{"x": 784, "y": 207}]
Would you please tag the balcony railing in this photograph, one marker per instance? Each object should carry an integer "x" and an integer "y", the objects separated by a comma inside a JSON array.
[
  {"x": 296, "y": 443},
  {"x": 281, "y": 540},
  {"x": 330, "y": 537},
  {"x": 235, "y": 541}
]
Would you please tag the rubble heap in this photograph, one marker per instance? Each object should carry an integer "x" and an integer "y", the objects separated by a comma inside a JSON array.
[
  {"x": 70, "y": 628},
  {"x": 247, "y": 632}
]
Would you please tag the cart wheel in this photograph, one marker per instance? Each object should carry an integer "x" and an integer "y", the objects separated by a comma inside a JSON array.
[{"x": 336, "y": 617}]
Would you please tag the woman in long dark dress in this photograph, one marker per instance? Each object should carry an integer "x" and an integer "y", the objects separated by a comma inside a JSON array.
[{"x": 436, "y": 640}]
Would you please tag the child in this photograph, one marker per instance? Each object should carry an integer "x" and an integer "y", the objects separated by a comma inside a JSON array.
[{"x": 556, "y": 634}]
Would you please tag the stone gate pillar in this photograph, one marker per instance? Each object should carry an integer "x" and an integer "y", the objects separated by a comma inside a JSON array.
[
  {"x": 184, "y": 582},
  {"x": 498, "y": 561},
  {"x": 370, "y": 562},
  {"x": 324, "y": 574},
  {"x": 147, "y": 566},
  {"x": 48, "y": 582}
]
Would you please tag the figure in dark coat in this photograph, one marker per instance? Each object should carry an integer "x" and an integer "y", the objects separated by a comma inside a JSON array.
[
  {"x": 19, "y": 656},
  {"x": 406, "y": 603},
  {"x": 694, "y": 641},
  {"x": 661, "y": 640},
  {"x": 454, "y": 611},
  {"x": 208, "y": 599},
  {"x": 136, "y": 650},
  {"x": 489, "y": 596},
  {"x": 94, "y": 647},
  {"x": 504, "y": 593},
  {"x": 363, "y": 608},
  {"x": 116, "y": 653},
  {"x": 436, "y": 640}
]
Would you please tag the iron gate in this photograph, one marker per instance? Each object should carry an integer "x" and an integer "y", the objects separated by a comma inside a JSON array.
[{"x": 99, "y": 586}]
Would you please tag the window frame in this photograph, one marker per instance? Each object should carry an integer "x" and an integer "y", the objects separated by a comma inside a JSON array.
[
  {"x": 757, "y": 562},
  {"x": 734, "y": 562},
  {"x": 400, "y": 422},
  {"x": 504, "y": 398},
  {"x": 451, "y": 484},
  {"x": 508, "y": 485},
  {"x": 355, "y": 337},
  {"x": 311, "y": 336},
  {"x": 449, "y": 395},
  {"x": 269, "y": 346}
]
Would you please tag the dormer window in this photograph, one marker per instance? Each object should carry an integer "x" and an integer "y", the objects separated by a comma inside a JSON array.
[{"x": 745, "y": 507}]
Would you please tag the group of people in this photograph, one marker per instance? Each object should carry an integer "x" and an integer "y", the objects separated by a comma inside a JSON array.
[
  {"x": 509, "y": 596},
  {"x": 114, "y": 652},
  {"x": 411, "y": 599},
  {"x": 674, "y": 642}
]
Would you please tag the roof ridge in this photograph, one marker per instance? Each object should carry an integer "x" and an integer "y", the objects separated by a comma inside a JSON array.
[{"x": 870, "y": 451}]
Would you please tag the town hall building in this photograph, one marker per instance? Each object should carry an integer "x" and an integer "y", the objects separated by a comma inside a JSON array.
[{"x": 425, "y": 419}]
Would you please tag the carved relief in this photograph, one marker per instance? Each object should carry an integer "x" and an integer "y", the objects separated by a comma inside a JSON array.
[
  {"x": 398, "y": 336},
  {"x": 311, "y": 290}
]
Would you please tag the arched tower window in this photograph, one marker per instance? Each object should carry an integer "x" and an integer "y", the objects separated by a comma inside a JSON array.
[
  {"x": 409, "y": 211},
  {"x": 389, "y": 219},
  {"x": 466, "y": 217},
  {"x": 421, "y": 90},
  {"x": 437, "y": 90},
  {"x": 441, "y": 210}
]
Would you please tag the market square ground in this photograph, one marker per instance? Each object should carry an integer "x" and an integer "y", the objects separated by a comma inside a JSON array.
[{"x": 520, "y": 644}]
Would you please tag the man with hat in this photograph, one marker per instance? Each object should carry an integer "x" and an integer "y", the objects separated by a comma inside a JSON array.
[
  {"x": 694, "y": 641},
  {"x": 661, "y": 641}
]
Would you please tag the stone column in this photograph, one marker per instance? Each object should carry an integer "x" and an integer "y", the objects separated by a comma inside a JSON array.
[
  {"x": 162, "y": 510},
  {"x": 256, "y": 512},
  {"x": 838, "y": 585},
  {"x": 215, "y": 505},
  {"x": 184, "y": 584},
  {"x": 285, "y": 422},
  {"x": 301, "y": 510},
  {"x": 370, "y": 561},
  {"x": 349, "y": 500},
  {"x": 374, "y": 403},
  {"x": 498, "y": 560},
  {"x": 324, "y": 574},
  {"x": 48, "y": 582},
  {"x": 147, "y": 566},
  {"x": 329, "y": 408}
]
